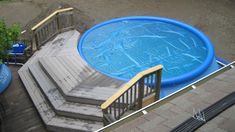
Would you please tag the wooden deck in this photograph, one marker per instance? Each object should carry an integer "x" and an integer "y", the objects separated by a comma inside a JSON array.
[
  {"x": 65, "y": 90},
  {"x": 172, "y": 113}
]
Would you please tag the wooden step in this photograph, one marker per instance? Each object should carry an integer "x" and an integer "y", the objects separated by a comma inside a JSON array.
[
  {"x": 61, "y": 106},
  {"x": 52, "y": 121},
  {"x": 74, "y": 85},
  {"x": 59, "y": 74},
  {"x": 97, "y": 87},
  {"x": 76, "y": 66}
]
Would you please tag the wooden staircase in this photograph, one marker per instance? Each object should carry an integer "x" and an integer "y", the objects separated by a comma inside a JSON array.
[{"x": 65, "y": 90}]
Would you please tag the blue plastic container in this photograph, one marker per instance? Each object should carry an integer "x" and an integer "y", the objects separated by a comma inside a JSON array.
[{"x": 18, "y": 47}]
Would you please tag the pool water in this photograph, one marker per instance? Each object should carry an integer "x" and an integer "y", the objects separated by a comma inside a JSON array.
[{"x": 124, "y": 48}]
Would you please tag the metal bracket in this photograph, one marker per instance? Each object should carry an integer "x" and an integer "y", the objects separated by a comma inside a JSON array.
[
  {"x": 231, "y": 66},
  {"x": 194, "y": 87},
  {"x": 144, "y": 112}
]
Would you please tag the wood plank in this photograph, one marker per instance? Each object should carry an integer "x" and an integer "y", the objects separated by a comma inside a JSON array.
[
  {"x": 66, "y": 76},
  {"x": 58, "y": 80},
  {"x": 75, "y": 68},
  {"x": 60, "y": 124},
  {"x": 69, "y": 109},
  {"x": 71, "y": 68},
  {"x": 97, "y": 93},
  {"x": 47, "y": 87},
  {"x": 51, "y": 120},
  {"x": 44, "y": 110},
  {"x": 99, "y": 80},
  {"x": 81, "y": 64}
]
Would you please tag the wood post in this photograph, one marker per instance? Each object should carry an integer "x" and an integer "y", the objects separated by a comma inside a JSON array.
[
  {"x": 158, "y": 79},
  {"x": 140, "y": 93},
  {"x": 36, "y": 40},
  {"x": 58, "y": 23}
]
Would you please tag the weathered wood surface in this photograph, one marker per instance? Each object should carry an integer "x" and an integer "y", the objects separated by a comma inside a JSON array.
[
  {"x": 70, "y": 109},
  {"x": 53, "y": 121},
  {"x": 74, "y": 77},
  {"x": 21, "y": 115},
  {"x": 66, "y": 91}
]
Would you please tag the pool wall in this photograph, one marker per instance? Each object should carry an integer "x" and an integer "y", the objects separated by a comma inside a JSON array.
[
  {"x": 166, "y": 90},
  {"x": 166, "y": 82},
  {"x": 5, "y": 77}
]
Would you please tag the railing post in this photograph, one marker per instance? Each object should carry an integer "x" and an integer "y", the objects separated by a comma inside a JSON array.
[
  {"x": 36, "y": 40},
  {"x": 105, "y": 112},
  {"x": 72, "y": 20},
  {"x": 58, "y": 22},
  {"x": 158, "y": 79},
  {"x": 31, "y": 48},
  {"x": 140, "y": 93}
]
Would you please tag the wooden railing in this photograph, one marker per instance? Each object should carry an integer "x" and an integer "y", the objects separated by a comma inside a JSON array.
[
  {"x": 140, "y": 91},
  {"x": 57, "y": 22}
]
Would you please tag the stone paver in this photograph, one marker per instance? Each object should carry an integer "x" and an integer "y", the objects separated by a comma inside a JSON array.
[
  {"x": 131, "y": 127},
  {"x": 228, "y": 125},
  {"x": 175, "y": 112},
  {"x": 224, "y": 122},
  {"x": 151, "y": 125}
]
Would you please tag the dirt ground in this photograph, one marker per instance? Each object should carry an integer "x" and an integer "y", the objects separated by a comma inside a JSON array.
[{"x": 216, "y": 18}]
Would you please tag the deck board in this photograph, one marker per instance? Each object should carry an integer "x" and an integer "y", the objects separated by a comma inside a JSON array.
[
  {"x": 57, "y": 78},
  {"x": 53, "y": 121},
  {"x": 73, "y": 75},
  {"x": 66, "y": 91},
  {"x": 57, "y": 100}
]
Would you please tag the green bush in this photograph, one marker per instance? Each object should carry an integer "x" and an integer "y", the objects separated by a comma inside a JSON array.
[{"x": 8, "y": 35}]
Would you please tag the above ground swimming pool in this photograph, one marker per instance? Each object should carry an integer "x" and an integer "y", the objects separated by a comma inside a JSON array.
[
  {"x": 5, "y": 77},
  {"x": 122, "y": 47}
]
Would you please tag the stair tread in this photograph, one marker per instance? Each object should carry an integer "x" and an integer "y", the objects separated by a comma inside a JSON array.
[
  {"x": 79, "y": 69},
  {"x": 47, "y": 114},
  {"x": 79, "y": 125},
  {"x": 56, "y": 99},
  {"x": 56, "y": 75},
  {"x": 89, "y": 87}
]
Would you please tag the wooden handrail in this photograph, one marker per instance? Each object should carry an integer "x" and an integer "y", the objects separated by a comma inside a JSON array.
[
  {"x": 50, "y": 16},
  {"x": 52, "y": 25},
  {"x": 123, "y": 89}
]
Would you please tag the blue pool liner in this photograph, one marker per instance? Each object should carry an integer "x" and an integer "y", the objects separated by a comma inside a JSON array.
[{"x": 5, "y": 77}]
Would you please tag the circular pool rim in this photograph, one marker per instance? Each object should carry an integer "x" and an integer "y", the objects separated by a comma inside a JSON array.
[{"x": 170, "y": 81}]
